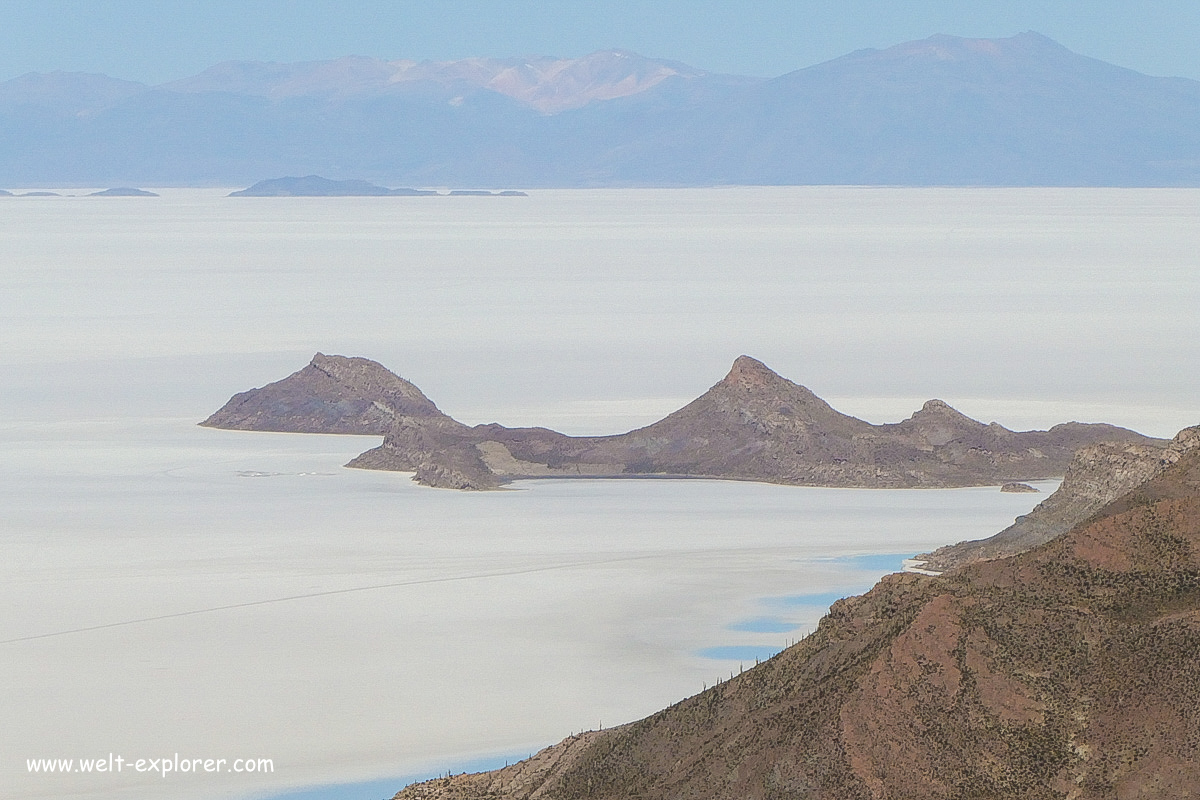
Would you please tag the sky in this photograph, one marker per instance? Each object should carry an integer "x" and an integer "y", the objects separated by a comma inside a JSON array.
[{"x": 154, "y": 42}]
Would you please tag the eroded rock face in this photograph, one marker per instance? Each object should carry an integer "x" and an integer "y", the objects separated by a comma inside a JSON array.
[
  {"x": 1097, "y": 475},
  {"x": 1069, "y": 671},
  {"x": 752, "y": 425}
]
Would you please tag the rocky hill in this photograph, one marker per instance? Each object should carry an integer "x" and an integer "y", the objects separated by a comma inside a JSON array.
[
  {"x": 1069, "y": 671},
  {"x": 752, "y": 425}
]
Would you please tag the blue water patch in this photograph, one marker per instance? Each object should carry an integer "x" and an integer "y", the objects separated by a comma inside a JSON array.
[
  {"x": 744, "y": 653},
  {"x": 387, "y": 787},
  {"x": 875, "y": 562},
  {"x": 765, "y": 625}
]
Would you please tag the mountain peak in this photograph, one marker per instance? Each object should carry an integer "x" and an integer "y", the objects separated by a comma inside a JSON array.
[
  {"x": 940, "y": 412},
  {"x": 750, "y": 373},
  {"x": 936, "y": 406}
]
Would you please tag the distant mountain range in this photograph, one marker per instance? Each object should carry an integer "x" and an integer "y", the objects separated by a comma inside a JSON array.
[
  {"x": 944, "y": 110},
  {"x": 753, "y": 425}
]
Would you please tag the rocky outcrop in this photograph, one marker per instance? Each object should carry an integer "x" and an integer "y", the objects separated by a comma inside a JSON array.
[
  {"x": 752, "y": 425},
  {"x": 1068, "y": 672},
  {"x": 1019, "y": 488},
  {"x": 1097, "y": 475},
  {"x": 333, "y": 394}
]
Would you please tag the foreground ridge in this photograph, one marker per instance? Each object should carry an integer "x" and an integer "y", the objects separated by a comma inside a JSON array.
[
  {"x": 752, "y": 425},
  {"x": 1097, "y": 475},
  {"x": 1066, "y": 672}
]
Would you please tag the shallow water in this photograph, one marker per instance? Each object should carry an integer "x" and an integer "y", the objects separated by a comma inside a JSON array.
[{"x": 170, "y": 589}]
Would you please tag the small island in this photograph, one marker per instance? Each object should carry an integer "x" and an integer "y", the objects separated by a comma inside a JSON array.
[
  {"x": 123, "y": 191},
  {"x": 316, "y": 186},
  {"x": 484, "y": 193}
]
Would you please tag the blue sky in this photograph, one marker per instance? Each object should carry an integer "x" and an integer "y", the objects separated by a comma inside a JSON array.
[{"x": 156, "y": 41}]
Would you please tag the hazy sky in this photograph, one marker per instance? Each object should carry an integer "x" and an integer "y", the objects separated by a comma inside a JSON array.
[{"x": 155, "y": 41}]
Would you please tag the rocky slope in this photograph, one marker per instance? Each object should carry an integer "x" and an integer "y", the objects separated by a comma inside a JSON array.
[
  {"x": 1097, "y": 475},
  {"x": 752, "y": 425},
  {"x": 1069, "y": 671}
]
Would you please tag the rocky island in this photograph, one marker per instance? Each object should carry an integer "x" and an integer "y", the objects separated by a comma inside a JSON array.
[
  {"x": 1068, "y": 671},
  {"x": 752, "y": 425}
]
